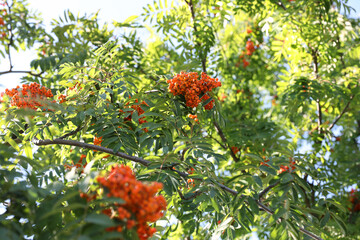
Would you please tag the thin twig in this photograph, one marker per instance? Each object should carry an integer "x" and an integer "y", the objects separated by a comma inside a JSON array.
[
  {"x": 191, "y": 6},
  {"x": 316, "y": 71},
  {"x": 280, "y": 4},
  {"x": 71, "y": 133},
  {"x": 11, "y": 34},
  {"x": 194, "y": 195},
  {"x": 90, "y": 146},
  {"x": 341, "y": 114},
  {"x": 28, "y": 72},
  {"x": 222, "y": 145},
  {"x": 223, "y": 138},
  {"x": 261, "y": 194}
]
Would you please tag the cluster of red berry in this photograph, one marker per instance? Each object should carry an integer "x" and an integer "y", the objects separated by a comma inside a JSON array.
[
  {"x": 265, "y": 162},
  {"x": 79, "y": 164},
  {"x": 3, "y": 29},
  {"x": 250, "y": 49},
  {"x": 62, "y": 98},
  {"x": 29, "y": 96},
  {"x": 235, "y": 150},
  {"x": 189, "y": 85},
  {"x": 288, "y": 168},
  {"x": 222, "y": 97},
  {"x": 139, "y": 110},
  {"x": 354, "y": 199},
  {"x": 193, "y": 117},
  {"x": 283, "y": 168},
  {"x": 98, "y": 141},
  {"x": 191, "y": 183},
  {"x": 141, "y": 206}
]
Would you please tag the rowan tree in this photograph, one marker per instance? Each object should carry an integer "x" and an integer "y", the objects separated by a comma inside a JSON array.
[{"x": 235, "y": 117}]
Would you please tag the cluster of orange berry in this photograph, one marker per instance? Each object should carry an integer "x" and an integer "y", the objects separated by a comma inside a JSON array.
[
  {"x": 29, "y": 96},
  {"x": 2, "y": 22},
  {"x": 265, "y": 162},
  {"x": 193, "y": 117},
  {"x": 189, "y": 86},
  {"x": 283, "y": 168},
  {"x": 98, "y": 141},
  {"x": 191, "y": 183},
  {"x": 250, "y": 49},
  {"x": 287, "y": 168},
  {"x": 62, "y": 98},
  {"x": 222, "y": 97},
  {"x": 76, "y": 88},
  {"x": 273, "y": 101},
  {"x": 235, "y": 150},
  {"x": 79, "y": 164},
  {"x": 354, "y": 199},
  {"x": 141, "y": 206},
  {"x": 139, "y": 111}
]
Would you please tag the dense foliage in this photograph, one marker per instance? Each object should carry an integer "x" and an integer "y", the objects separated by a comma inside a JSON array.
[{"x": 234, "y": 117}]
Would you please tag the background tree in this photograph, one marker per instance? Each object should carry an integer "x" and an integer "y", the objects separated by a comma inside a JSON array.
[{"x": 216, "y": 111}]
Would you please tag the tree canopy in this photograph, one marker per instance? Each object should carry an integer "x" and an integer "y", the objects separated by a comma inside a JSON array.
[{"x": 234, "y": 117}]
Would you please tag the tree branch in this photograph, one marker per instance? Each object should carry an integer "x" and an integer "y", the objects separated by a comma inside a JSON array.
[
  {"x": 267, "y": 189},
  {"x": 147, "y": 163},
  {"x": 194, "y": 195},
  {"x": 71, "y": 133},
  {"x": 222, "y": 145},
  {"x": 223, "y": 138},
  {"x": 316, "y": 71},
  {"x": 60, "y": 141},
  {"x": 341, "y": 114},
  {"x": 280, "y": 4},
  {"x": 28, "y": 72},
  {"x": 11, "y": 34},
  {"x": 191, "y": 6}
]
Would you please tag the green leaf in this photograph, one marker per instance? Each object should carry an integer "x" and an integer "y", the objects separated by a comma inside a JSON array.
[
  {"x": 325, "y": 219},
  {"x": 215, "y": 204},
  {"x": 253, "y": 205},
  {"x": 279, "y": 213},
  {"x": 267, "y": 169},
  {"x": 258, "y": 181},
  {"x": 287, "y": 177},
  {"x": 99, "y": 219},
  {"x": 131, "y": 19},
  {"x": 28, "y": 150},
  {"x": 12, "y": 143},
  {"x": 339, "y": 222}
]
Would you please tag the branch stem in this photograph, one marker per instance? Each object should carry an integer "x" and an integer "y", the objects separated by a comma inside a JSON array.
[{"x": 341, "y": 114}]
